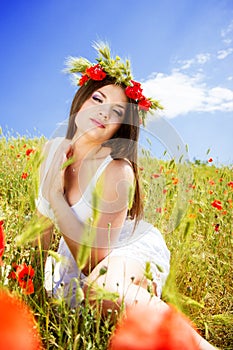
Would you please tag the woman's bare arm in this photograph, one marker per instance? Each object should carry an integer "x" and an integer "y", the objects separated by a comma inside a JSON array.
[{"x": 104, "y": 230}]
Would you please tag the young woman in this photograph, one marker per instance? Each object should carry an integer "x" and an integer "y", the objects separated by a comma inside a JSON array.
[{"x": 95, "y": 199}]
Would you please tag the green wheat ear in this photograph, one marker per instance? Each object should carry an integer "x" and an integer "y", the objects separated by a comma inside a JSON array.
[
  {"x": 86, "y": 245},
  {"x": 95, "y": 203},
  {"x": 58, "y": 257},
  {"x": 149, "y": 276},
  {"x": 75, "y": 64},
  {"x": 35, "y": 162},
  {"x": 67, "y": 163},
  {"x": 33, "y": 229},
  {"x": 102, "y": 293},
  {"x": 103, "y": 49},
  {"x": 147, "y": 273},
  {"x": 90, "y": 228}
]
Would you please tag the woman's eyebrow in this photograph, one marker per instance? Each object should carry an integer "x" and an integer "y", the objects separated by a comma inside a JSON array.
[
  {"x": 120, "y": 106},
  {"x": 100, "y": 92},
  {"x": 104, "y": 96}
]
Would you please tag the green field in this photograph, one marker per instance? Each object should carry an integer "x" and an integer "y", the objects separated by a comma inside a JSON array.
[{"x": 191, "y": 205}]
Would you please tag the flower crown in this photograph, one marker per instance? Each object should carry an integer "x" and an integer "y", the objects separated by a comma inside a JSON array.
[{"x": 116, "y": 68}]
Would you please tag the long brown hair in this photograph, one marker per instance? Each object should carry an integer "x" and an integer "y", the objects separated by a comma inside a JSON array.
[{"x": 123, "y": 144}]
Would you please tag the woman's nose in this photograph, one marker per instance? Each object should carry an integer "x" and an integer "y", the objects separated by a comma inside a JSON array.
[{"x": 104, "y": 114}]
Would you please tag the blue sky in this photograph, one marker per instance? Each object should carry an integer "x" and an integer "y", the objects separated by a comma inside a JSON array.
[{"x": 181, "y": 50}]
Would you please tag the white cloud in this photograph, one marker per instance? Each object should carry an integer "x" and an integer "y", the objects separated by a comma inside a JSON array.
[
  {"x": 226, "y": 34},
  {"x": 186, "y": 90},
  {"x": 227, "y": 30},
  {"x": 221, "y": 54},
  {"x": 199, "y": 59},
  {"x": 202, "y": 58},
  {"x": 182, "y": 93},
  {"x": 218, "y": 99},
  {"x": 227, "y": 41},
  {"x": 186, "y": 64}
]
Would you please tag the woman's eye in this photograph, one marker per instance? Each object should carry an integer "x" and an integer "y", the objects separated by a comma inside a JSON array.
[
  {"x": 97, "y": 98},
  {"x": 119, "y": 113}
]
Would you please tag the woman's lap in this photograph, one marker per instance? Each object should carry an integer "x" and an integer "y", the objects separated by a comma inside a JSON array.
[{"x": 124, "y": 265}]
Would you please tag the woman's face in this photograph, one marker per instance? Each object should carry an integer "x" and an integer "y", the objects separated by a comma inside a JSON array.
[{"x": 102, "y": 114}]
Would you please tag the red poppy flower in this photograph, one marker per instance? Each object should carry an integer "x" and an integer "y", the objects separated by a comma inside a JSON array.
[
  {"x": 144, "y": 104},
  {"x": 144, "y": 329},
  {"x": 27, "y": 286},
  {"x": 18, "y": 329},
  {"x": 2, "y": 242},
  {"x": 82, "y": 81},
  {"x": 192, "y": 186},
  {"x": 25, "y": 274},
  {"x": 210, "y": 160},
  {"x": 211, "y": 182},
  {"x": 134, "y": 91},
  {"x": 95, "y": 72},
  {"x": 217, "y": 204},
  {"x": 24, "y": 175},
  {"x": 230, "y": 184},
  {"x": 155, "y": 176},
  {"x": 175, "y": 180},
  {"x": 23, "y": 270},
  {"x": 29, "y": 151},
  {"x": 12, "y": 274}
]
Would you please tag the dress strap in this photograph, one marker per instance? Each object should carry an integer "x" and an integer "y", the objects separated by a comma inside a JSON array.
[
  {"x": 101, "y": 169},
  {"x": 88, "y": 193}
]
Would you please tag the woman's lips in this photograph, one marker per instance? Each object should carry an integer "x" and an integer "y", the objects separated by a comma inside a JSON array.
[{"x": 97, "y": 123}]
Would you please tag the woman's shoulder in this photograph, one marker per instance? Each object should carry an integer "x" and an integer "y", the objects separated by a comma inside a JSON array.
[{"x": 115, "y": 183}]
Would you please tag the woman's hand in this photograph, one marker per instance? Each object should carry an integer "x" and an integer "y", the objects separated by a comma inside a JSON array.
[
  {"x": 54, "y": 181},
  {"x": 58, "y": 168}
]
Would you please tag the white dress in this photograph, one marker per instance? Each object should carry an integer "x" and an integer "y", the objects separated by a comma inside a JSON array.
[{"x": 145, "y": 244}]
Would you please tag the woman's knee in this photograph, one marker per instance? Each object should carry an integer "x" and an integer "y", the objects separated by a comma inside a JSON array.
[
  {"x": 119, "y": 281},
  {"x": 117, "y": 273}
]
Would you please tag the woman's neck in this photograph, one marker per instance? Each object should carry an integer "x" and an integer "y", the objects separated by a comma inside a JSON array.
[{"x": 83, "y": 148}]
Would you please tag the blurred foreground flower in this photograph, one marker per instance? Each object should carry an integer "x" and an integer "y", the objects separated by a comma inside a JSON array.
[
  {"x": 144, "y": 329},
  {"x": 18, "y": 329}
]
